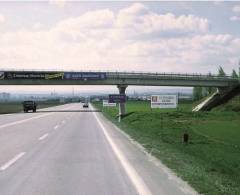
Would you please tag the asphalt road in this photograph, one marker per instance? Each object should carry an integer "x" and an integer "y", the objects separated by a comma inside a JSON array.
[{"x": 71, "y": 153}]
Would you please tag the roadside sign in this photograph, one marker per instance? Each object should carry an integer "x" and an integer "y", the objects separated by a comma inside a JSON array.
[
  {"x": 163, "y": 101},
  {"x": 108, "y": 104},
  {"x": 84, "y": 75},
  {"x": 117, "y": 98},
  {"x": 24, "y": 75},
  {"x": 33, "y": 75}
]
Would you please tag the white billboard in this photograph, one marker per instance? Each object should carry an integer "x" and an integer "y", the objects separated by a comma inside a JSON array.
[
  {"x": 164, "y": 101},
  {"x": 107, "y": 104}
]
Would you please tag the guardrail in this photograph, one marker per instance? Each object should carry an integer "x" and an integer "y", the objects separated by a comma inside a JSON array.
[{"x": 169, "y": 76}]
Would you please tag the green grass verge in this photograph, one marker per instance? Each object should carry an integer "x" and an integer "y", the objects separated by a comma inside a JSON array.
[
  {"x": 231, "y": 105},
  {"x": 14, "y": 107},
  {"x": 210, "y": 162}
]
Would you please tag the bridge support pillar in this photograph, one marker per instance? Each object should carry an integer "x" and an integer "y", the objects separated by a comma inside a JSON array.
[{"x": 122, "y": 108}]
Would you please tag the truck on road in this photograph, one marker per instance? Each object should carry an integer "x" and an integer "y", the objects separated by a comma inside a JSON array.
[
  {"x": 85, "y": 105},
  {"x": 29, "y": 105}
]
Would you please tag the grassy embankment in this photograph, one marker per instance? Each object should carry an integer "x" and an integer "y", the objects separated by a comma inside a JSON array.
[
  {"x": 232, "y": 105},
  {"x": 14, "y": 107},
  {"x": 210, "y": 162}
]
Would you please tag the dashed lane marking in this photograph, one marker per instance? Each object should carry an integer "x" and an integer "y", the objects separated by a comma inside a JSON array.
[
  {"x": 12, "y": 161},
  {"x": 23, "y": 121},
  {"x": 43, "y": 137}
]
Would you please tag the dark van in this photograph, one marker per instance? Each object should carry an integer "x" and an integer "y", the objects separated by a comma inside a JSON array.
[{"x": 29, "y": 105}]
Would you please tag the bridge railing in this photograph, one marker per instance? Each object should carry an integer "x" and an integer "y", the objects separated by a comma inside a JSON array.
[
  {"x": 168, "y": 76},
  {"x": 139, "y": 74}
]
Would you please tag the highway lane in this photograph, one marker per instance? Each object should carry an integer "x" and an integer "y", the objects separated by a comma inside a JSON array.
[
  {"x": 8, "y": 118},
  {"x": 76, "y": 153}
]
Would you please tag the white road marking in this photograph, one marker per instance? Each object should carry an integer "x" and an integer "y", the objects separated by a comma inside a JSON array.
[
  {"x": 12, "y": 161},
  {"x": 32, "y": 118},
  {"x": 23, "y": 121},
  {"x": 171, "y": 176},
  {"x": 137, "y": 181},
  {"x": 56, "y": 126},
  {"x": 43, "y": 137}
]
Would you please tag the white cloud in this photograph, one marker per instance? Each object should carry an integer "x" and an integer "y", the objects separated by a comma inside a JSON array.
[
  {"x": 135, "y": 9},
  {"x": 133, "y": 22},
  {"x": 37, "y": 26},
  {"x": 2, "y": 18},
  {"x": 137, "y": 19},
  {"x": 58, "y": 3},
  {"x": 94, "y": 19},
  {"x": 235, "y": 18},
  {"x": 134, "y": 38},
  {"x": 218, "y": 3},
  {"x": 236, "y": 9}
]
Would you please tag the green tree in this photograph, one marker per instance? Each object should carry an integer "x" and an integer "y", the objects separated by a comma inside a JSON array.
[
  {"x": 221, "y": 72},
  {"x": 234, "y": 74},
  {"x": 210, "y": 90},
  {"x": 197, "y": 93},
  {"x": 209, "y": 74}
]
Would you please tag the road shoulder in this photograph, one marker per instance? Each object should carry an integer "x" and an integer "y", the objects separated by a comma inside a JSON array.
[{"x": 159, "y": 178}]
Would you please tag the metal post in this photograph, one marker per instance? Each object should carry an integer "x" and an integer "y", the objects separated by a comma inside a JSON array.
[
  {"x": 122, "y": 90},
  {"x": 185, "y": 138}
]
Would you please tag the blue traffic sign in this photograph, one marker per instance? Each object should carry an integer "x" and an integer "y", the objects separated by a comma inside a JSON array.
[
  {"x": 117, "y": 98},
  {"x": 84, "y": 75}
]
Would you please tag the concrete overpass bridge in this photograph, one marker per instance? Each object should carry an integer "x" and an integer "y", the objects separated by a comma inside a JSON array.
[{"x": 225, "y": 85}]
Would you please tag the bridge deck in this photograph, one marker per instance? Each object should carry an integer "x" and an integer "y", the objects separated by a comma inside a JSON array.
[{"x": 125, "y": 78}]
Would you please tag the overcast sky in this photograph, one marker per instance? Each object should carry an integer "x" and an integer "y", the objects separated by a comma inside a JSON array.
[{"x": 134, "y": 36}]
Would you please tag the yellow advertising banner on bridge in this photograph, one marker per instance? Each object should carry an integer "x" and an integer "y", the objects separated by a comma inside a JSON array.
[{"x": 54, "y": 75}]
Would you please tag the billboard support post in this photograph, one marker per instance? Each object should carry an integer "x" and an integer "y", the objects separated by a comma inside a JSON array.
[{"x": 122, "y": 109}]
